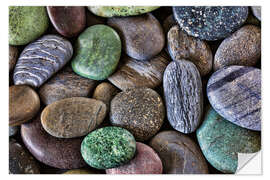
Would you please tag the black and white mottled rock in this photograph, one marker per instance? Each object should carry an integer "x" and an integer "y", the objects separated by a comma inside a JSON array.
[
  {"x": 41, "y": 59},
  {"x": 235, "y": 93},
  {"x": 256, "y": 11},
  {"x": 183, "y": 95}
]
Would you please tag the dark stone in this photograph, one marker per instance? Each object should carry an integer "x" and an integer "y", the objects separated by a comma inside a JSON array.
[
  {"x": 12, "y": 130},
  {"x": 252, "y": 19},
  {"x": 256, "y": 11},
  {"x": 168, "y": 23},
  {"x": 13, "y": 56},
  {"x": 92, "y": 19}
]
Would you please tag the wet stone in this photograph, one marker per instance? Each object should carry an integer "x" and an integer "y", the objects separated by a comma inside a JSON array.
[
  {"x": 13, "y": 56},
  {"x": 256, "y": 11}
]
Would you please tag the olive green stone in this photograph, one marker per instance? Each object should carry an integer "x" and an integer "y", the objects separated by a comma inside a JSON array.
[
  {"x": 26, "y": 23},
  {"x": 98, "y": 50},
  {"x": 221, "y": 141},
  {"x": 108, "y": 147}
]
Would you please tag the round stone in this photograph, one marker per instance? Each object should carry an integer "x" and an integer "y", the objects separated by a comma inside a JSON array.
[
  {"x": 26, "y": 23},
  {"x": 221, "y": 141},
  {"x": 256, "y": 11},
  {"x": 139, "y": 110},
  {"x": 210, "y": 22},
  {"x": 142, "y": 36},
  {"x": 98, "y": 51},
  {"x": 13, "y": 56},
  {"x": 24, "y": 104},
  {"x": 146, "y": 161},
  {"x": 12, "y": 130},
  {"x": 82, "y": 171},
  {"x": 108, "y": 147},
  {"x": 179, "y": 154}
]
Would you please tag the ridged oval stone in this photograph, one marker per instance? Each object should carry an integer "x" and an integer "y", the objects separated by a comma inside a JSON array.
[
  {"x": 73, "y": 117},
  {"x": 41, "y": 59},
  {"x": 183, "y": 95},
  {"x": 235, "y": 93},
  {"x": 98, "y": 51}
]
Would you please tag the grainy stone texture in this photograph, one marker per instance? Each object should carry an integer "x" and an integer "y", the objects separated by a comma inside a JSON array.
[
  {"x": 178, "y": 153},
  {"x": 146, "y": 161},
  {"x": 210, "y": 22},
  {"x": 12, "y": 130},
  {"x": 256, "y": 11},
  {"x": 41, "y": 59},
  {"x": 168, "y": 23},
  {"x": 82, "y": 171},
  {"x": 108, "y": 147},
  {"x": 134, "y": 73},
  {"x": 221, "y": 141},
  {"x": 13, "y": 56},
  {"x": 142, "y": 36},
  {"x": 243, "y": 48},
  {"x": 183, "y": 46},
  {"x": 139, "y": 110},
  {"x": 183, "y": 95}
]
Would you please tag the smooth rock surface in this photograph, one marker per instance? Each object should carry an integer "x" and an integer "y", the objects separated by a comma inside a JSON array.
[
  {"x": 12, "y": 130},
  {"x": 13, "y": 56},
  {"x": 256, "y": 11}
]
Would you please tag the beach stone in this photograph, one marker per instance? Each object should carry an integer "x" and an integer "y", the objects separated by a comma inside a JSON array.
[
  {"x": 210, "y": 22},
  {"x": 183, "y": 46},
  {"x": 111, "y": 11},
  {"x": 26, "y": 23},
  {"x": 98, "y": 50},
  {"x": 41, "y": 59},
  {"x": 256, "y": 11},
  {"x": 82, "y": 171},
  {"x": 235, "y": 93},
  {"x": 56, "y": 152},
  {"x": 179, "y": 153},
  {"x": 12, "y": 130},
  {"x": 65, "y": 84},
  {"x": 134, "y": 73},
  {"x": 168, "y": 23},
  {"x": 24, "y": 104},
  {"x": 67, "y": 20},
  {"x": 13, "y": 56},
  {"x": 142, "y": 36},
  {"x": 183, "y": 95},
  {"x": 221, "y": 141},
  {"x": 108, "y": 147},
  {"x": 139, "y": 110}
]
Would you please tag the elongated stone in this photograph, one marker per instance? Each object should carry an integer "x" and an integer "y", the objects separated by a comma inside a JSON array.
[{"x": 13, "y": 56}]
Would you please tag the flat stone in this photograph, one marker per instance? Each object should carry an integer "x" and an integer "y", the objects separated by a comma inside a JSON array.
[
  {"x": 179, "y": 154},
  {"x": 183, "y": 95},
  {"x": 256, "y": 11},
  {"x": 26, "y": 23},
  {"x": 210, "y": 22},
  {"x": 13, "y": 56},
  {"x": 41, "y": 59},
  {"x": 142, "y": 36},
  {"x": 98, "y": 52},
  {"x": 235, "y": 93},
  {"x": 146, "y": 161},
  {"x": 12, "y": 130},
  {"x": 221, "y": 141},
  {"x": 108, "y": 147},
  {"x": 139, "y": 110}
]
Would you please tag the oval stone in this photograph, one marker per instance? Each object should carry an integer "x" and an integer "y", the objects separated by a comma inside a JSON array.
[
  {"x": 41, "y": 59},
  {"x": 98, "y": 51},
  {"x": 13, "y": 56},
  {"x": 142, "y": 36},
  {"x": 179, "y": 154},
  {"x": 108, "y": 147},
  {"x": 26, "y": 23},
  {"x": 235, "y": 93},
  {"x": 256, "y": 11},
  {"x": 183, "y": 95},
  {"x": 221, "y": 141}
]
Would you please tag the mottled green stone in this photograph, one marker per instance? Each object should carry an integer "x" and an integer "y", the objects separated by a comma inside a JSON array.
[
  {"x": 26, "y": 23},
  {"x": 108, "y": 147},
  {"x": 111, "y": 11},
  {"x": 221, "y": 141},
  {"x": 97, "y": 52}
]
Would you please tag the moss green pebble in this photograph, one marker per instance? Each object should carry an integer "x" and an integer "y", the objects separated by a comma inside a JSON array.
[
  {"x": 26, "y": 23},
  {"x": 108, "y": 147},
  {"x": 97, "y": 52}
]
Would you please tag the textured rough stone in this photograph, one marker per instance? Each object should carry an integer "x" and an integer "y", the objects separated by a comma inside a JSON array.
[
  {"x": 13, "y": 56},
  {"x": 82, "y": 171},
  {"x": 12, "y": 130},
  {"x": 256, "y": 11}
]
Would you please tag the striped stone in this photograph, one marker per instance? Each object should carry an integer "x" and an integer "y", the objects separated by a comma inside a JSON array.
[{"x": 41, "y": 59}]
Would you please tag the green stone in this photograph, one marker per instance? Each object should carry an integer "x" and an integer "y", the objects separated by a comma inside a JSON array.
[
  {"x": 108, "y": 147},
  {"x": 221, "y": 141},
  {"x": 97, "y": 52},
  {"x": 26, "y": 23},
  {"x": 111, "y": 11}
]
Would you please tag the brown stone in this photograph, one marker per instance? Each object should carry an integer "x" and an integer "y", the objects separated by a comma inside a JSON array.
[{"x": 13, "y": 56}]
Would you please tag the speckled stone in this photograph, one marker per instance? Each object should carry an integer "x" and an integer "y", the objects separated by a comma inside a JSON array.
[
  {"x": 256, "y": 11},
  {"x": 24, "y": 104},
  {"x": 41, "y": 59},
  {"x": 26, "y": 23},
  {"x": 12, "y": 130},
  {"x": 82, "y": 171},
  {"x": 168, "y": 23},
  {"x": 179, "y": 154},
  {"x": 183, "y": 95},
  {"x": 235, "y": 93},
  {"x": 210, "y": 22},
  {"x": 142, "y": 36},
  {"x": 98, "y": 51},
  {"x": 134, "y": 73},
  {"x": 221, "y": 141},
  {"x": 108, "y": 147},
  {"x": 13, "y": 56},
  {"x": 139, "y": 110}
]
